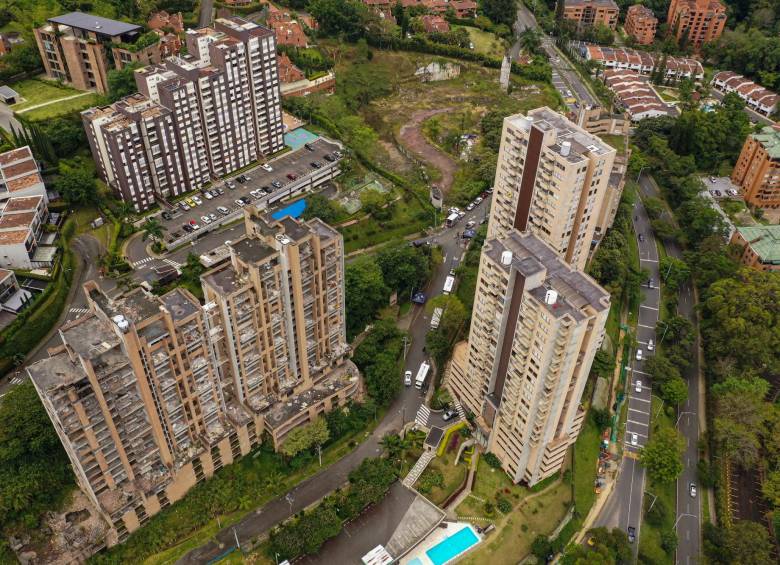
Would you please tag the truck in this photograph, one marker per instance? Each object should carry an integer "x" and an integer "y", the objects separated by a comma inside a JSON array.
[
  {"x": 449, "y": 282},
  {"x": 422, "y": 374},
  {"x": 436, "y": 318},
  {"x": 452, "y": 219}
]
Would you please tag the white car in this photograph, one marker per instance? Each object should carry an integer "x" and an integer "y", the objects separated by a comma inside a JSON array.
[
  {"x": 240, "y": 203},
  {"x": 267, "y": 167},
  {"x": 650, "y": 345},
  {"x": 470, "y": 207},
  {"x": 634, "y": 439},
  {"x": 197, "y": 200},
  {"x": 213, "y": 217},
  {"x": 256, "y": 193},
  {"x": 205, "y": 219},
  {"x": 638, "y": 354},
  {"x": 207, "y": 195},
  {"x": 638, "y": 386},
  {"x": 408, "y": 378},
  {"x": 470, "y": 224},
  {"x": 222, "y": 210},
  {"x": 692, "y": 490}
]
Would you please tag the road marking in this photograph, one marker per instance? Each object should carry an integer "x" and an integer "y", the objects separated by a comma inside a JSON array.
[
  {"x": 642, "y": 372},
  {"x": 16, "y": 380},
  {"x": 648, "y": 307},
  {"x": 635, "y": 410},
  {"x": 138, "y": 264},
  {"x": 172, "y": 263},
  {"x": 648, "y": 260},
  {"x": 641, "y": 399},
  {"x": 638, "y": 423},
  {"x": 644, "y": 326},
  {"x": 78, "y": 311}
]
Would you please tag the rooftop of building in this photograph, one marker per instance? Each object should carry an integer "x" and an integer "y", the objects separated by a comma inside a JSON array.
[
  {"x": 530, "y": 256},
  {"x": 17, "y": 220},
  {"x": 251, "y": 250},
  {"x": 21, "y": 204},
  {"x": 5, "y": 273},
  {"x": 14, "y": 237},
  {"x": 764, "y": 241},
  {"x": 769, "y": 138},
  {"x": 95, "y": 24},
  {"x": 25, "y": 182},
  {"x": 599, "y": 3},
  {"x": 89, "y": 336},
  {"x": 223, "y": 279},
  {"x": 55, "y": 371},
  {"x": 14, "y": 155},
  {"x": 136, "y": 306},
  {"x": 641, "y": 11},
  {"x": 19, "y": 168},
  {"x": 546, "y": 119},
  {"x": 180, "y": 303}
]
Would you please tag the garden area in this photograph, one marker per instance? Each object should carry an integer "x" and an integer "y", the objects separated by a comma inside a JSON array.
[
  {"x": 443, "y": 477},
  {"x": 485, "y": 42},
  {"x": 54, "y": 99}
]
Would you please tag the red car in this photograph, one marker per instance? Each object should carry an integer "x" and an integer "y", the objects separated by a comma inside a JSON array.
[{"x": 292, "y": 176}]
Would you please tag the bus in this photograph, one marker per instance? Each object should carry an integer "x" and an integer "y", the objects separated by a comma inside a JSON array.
[
  {"x": 422, "y": 374},
  {"x": 449, "y": 282}
]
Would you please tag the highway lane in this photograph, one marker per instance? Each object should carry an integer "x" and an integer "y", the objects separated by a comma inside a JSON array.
[{"x": 688, "y": 516}]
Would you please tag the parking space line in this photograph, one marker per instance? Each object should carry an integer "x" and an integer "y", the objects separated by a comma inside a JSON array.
[
  {"x": 637, "y": 410},
  {"x": 642, "y": 372},
  {"x": 637, "y": 398},
  {"x": 638, "y": 423},
  {"x": 648, "y": 307},
  {"x": 644, "y": 326}
]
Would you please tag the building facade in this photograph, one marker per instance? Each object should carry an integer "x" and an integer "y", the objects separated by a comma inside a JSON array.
[
  {"x": 760, "y": 246},
  {"x": 641, "y": 24},
  {"x": 536, "y": 326},
  {"x": 22, "y": 221},
  {"x": 151, "y": 395},
  {"x": 696, "y": 22},
  {"x": 757, "y": 171},
  {"x": 589, "y": 13},
  {"x": 675, "y": 68},
  {"x": 196, "y": 117},
  {"x": 551, "y": 179},
  {"x": 756, "y": 97},
  {"x": 20, "y": 175}
]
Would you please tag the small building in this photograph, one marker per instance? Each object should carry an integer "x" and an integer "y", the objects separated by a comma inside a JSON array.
[
  {"x": 641, "y": 24},
  {"x": 21, "y": 232},
  {"x": 288, "y": 72},
  {"x": 9, "y": 40},
  {"x": 13, "y": 298},
  {"x": 598, "y": 121},
  {"x": 586, "y": 14},
  {"x": 434, "y": 24},
  {"x": 675, "y": 68},
  {"x": 756, "y": 97},
  {"x": 164, "y": 21},
  {"x": 8, "y": 95},
  {"x": 635, "y": 95},
  {"x": 19, "y": 175},
  {"x": 760, "y": 246}
]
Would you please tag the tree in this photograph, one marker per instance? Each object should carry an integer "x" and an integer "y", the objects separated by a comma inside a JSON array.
[
  {"x": 662, "y": 456},
  {"x": 65, "y": 135},
  {"x": 121, "y": 82},
  {"x": 500, "y": 11},
  {"x": 366, "y": 293},
  {"x": 401, "y": 18},
  {"x": 747, "y": 543},
  {"x": 344, "y": 18},
  {"x": 76, "y": 184},
  {"x": 661, "y": 369},
  {"x": 322, "y": 207},
  {"x": 305, "y": 437},
  {"x": 405, "y": 268},
  {"x": 383, "y": 379},
  {"x": 740, "y": 414},
  {"x": 771, "y": 488},
  {"x": 152, "y": 228},
  {"x": 674, "y": 272},
  {"x": 674, "y": 391},
  {"x": 542, "y": 548},
  {"x": 376, "y": 203}
]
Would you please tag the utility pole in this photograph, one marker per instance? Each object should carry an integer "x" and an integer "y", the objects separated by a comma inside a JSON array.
[
  {"x": 319, "y": 453},
  {"x": 680, "y": 416}
]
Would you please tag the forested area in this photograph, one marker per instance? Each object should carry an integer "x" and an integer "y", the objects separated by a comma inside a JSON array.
[{"x": 740, "y": 320}]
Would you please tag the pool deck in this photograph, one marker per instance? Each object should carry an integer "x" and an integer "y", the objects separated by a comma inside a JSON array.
[{"x": 419, "y": 556}]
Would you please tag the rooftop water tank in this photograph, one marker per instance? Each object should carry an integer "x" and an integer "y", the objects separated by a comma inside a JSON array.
[
  {"x": 506, "y": 258},
  {"x": 551, "y": 296}
]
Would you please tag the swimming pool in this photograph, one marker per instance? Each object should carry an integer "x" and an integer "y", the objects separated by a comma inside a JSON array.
[
  {"x": 452, "y": 546},
  {"x": 295, "y": 210}
]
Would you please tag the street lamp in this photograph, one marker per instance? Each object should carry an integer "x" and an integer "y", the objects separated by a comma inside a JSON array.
[
  {"x": 666, "y": 327},
  {"x": 681, "y": 415},
  {"x": 642, "y": 168},
  {"x": 680, "y": 516},
  {"x": 660, "y": 407},
  {"x": 654, "y": 499},
  {"x": 238, "y": 545}
]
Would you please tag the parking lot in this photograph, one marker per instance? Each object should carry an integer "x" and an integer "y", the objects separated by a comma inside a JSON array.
[
  {"x": 721, "y": 188},
  {"x": 210, "y": 213}
]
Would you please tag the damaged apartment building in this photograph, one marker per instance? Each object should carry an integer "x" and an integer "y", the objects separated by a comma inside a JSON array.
[{"x": 152, "y": 394}]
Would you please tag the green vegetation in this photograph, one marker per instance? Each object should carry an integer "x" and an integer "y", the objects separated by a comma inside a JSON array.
[
  {"x": 485, "y": 42},
  {"x": 586, "y": 455},
  {"x": 468, "y": 269},
  {"x": 63, "y": 107},
  {"x": 440, "y": 480},
  {"x": 378, "y": 357},
  {"x": 39, "y": 91},
  {"x": 604, "y": 546},
  {"x": 144, "y": 40}
]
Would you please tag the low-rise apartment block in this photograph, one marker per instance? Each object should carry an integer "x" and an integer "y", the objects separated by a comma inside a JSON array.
[
  {"x": 589, "y": 13},
  {"x": 696, "y": 22},
  {"x": 22, "y": 235},
  {"x": 75, "y": 48},
  {"x": 536, "y": 326},
  {"x": 551, "y": 180},
  {"x": 757, "y": 171},
  {"x": 641, "y": 24},
  {"x": 152, "y": 395},
  {"x": 760, "y": 246},
  {"x": 635, "y": 95},
  {"x": 20, "y": 175},
  {"x": 197, "y": 117},
  {"x": 676, "y": 68},
  {"x": 756, "y": 97},
  {"x": 598, "y": 121}
]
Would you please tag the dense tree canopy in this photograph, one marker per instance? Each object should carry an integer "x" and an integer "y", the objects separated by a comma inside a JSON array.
[
  {"x": 662, "y": 455},
  {"x": 366, "y": 293}
]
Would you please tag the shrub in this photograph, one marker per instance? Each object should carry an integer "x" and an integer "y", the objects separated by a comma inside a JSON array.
[
  {"x": 492, "y": 460},
  {"x": 430, "y": 479},
  {"x": 503, "y": 504},
  {"x": 488, "y": 508}
]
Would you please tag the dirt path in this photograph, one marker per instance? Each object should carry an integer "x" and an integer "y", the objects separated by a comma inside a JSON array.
[{"x": 413, "y": 139}]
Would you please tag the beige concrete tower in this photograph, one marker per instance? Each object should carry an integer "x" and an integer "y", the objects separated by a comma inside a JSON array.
[{"x": 551, "y": 179}]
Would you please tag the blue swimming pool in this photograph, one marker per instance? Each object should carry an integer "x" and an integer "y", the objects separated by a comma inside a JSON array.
[
  {"x": 295, "y": 210},
  {"x": 297, "y": 138},
  {"x": 449, "y": 548}
]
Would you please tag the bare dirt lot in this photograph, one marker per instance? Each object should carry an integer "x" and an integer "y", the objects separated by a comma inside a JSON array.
[{"x": 411, "y": 136}]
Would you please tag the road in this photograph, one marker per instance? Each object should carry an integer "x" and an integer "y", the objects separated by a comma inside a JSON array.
[
  {"x": 403, "y": 410},
  {"x": 624, "y": 508},
  {"x": 206, "y": 13},
  {"x": 688, "y": 509}
]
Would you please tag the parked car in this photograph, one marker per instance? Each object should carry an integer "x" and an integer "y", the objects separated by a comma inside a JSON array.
[
  {"x": 166, "y": 215},
  {"x": 641, "y": 237},
  {"x": 309, "y": 146},
  {"x": 205, "y": 219},
  {"x": 213, "y": 217},
  {"x": 692, "y": 490},
  {"x": 187, "y": 228},
  {"x": 408, "y": 378},
  {"x": 638, "y": 354},
  {"x": 276, "y": 184},
  {"x": 194, "y": 225},
  {"x": 222, "y": 210},
  {"x": 470, "y": 224},
  {"x": 329, "y": 158},
  {"x": 631, "y": 534},
  {"x": 478, "y": 200},
  {"x": 240, "y": 203},
  {"x": 338, "y": 154},
  {"x": 247, "y": 178},
  {"x": 650, "y": 345},
  {"x": 256, "y": 193},
  {"x": 267, "y": 189},
  {"x": 246, "y": 199},
  {"x": 267, "y": 167},
  {"x": 638, "y": 386},
  {"x": 191, "y": 202},
  {"x": 470, "y": 207},
  {"x": 292, "y": 176},
  {"x": 220, "y": 191},
  {"x": 449, "y": 414},
  {"x": 197, "y": 200},
  {"x": 207, "y": 195},
  {"x": 214, "y": 192},
  {"x": 184, "y": 206},
  {"x": 230, "y": 184},
  {"x": 315, "y": 165},
  {"x": 634, "y": 439}
]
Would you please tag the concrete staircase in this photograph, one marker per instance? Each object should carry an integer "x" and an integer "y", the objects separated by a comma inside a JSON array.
[
  {"x": 418, "y": 468},
  {"x": 461, "y": 411},
  {"x": 422, "y": 416}
]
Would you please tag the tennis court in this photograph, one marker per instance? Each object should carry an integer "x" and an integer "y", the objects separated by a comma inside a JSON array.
[{"x": 298, "y": 138}]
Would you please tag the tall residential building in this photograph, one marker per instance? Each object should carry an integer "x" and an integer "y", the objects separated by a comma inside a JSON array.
[
  {"x": 589, "y": 13},
  {"x": 695, "y": 22},
  {"x": 536, "y": 326},
  {"x": 641, "y": 24},
  {"x": 280, "y": 301},
  {"x": 757, "y": 171},
  {"x": 198, "y": 116},
  {"x": 81, "y": 48},
  {"x": 551, "y": 180},
  {"x": 151, "y": 395}
]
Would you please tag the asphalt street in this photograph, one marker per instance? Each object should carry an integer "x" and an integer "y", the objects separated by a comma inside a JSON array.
[
  {"x": 624, "y": 508},
  {"x": 403, "y": 410},
  {"x": 688, "y": 517}
]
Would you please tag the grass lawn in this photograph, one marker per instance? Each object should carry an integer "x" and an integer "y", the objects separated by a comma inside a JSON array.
[
  {"x": 453, "y": 477},
  {"x": 616, "y": 141},
  {"x": 62, "y": 108},
  {"x": 667, "y": 95},
  {"x": 83, "y": 217},
  {"x": 485, "y": 42},
  {"x": 650, "y": 538},
  {"x": 586, "y": 455},
  {"x": 512, "y": 540}
]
